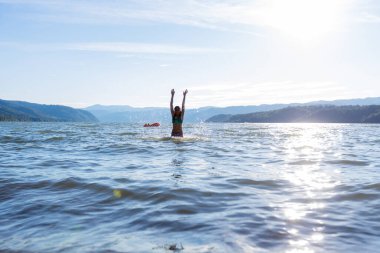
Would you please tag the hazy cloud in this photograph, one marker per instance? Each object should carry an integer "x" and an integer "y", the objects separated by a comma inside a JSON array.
[
  {"x": 143, "y": 48},
  {"x": 221, "y": 15},
  {"x": 241, "y": 16},
  {"x": 369, "y": 18},
  {"x": 250, "y": 93},
  {"x": 124, "y": 48}
]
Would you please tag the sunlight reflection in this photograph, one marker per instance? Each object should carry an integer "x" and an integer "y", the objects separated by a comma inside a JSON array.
[
  {"x": 117, "y": 193},
  {"x": 311, "y": 179},
  {"x": 303, "y": 250},
  {"x": 299, "y": 243},
  {"x": 294, "y": 212},
  {"x": 305, "y": 146},
  {"x": 317, "y": 237},
  {"x": 293, "y": 231}
]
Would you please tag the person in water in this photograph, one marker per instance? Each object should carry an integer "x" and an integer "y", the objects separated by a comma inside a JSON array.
[{"x": 177, "y": 115}]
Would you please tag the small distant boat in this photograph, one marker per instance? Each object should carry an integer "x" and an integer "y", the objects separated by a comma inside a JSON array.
[{"x": 156, "y": 124}]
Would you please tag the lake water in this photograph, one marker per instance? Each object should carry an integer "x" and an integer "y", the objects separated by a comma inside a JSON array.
[{"x": 81, "y": 187}]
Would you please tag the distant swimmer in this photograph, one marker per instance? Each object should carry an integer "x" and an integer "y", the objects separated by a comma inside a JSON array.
[{"x": 177, "y": 115}]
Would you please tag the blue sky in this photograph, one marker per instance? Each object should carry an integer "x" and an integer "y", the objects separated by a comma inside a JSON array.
[{"x": 79, "y": 53}]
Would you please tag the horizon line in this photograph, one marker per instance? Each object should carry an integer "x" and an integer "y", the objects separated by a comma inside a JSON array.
[{"x": 162, "y": 107}]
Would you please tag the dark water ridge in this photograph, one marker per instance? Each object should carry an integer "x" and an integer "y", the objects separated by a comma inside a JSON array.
[{"x": 87, "y": 187}]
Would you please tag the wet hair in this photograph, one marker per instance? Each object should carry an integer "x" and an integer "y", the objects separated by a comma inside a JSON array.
[{"x": 177, "y": 110}]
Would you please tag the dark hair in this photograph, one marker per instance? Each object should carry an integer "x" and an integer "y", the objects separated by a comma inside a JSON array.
[{"x": 177, "y": 109}]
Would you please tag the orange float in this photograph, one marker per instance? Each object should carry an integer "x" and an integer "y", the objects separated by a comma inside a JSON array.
[{"x": 152, "y": 125}]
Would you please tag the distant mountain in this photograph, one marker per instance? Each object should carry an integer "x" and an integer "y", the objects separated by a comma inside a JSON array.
[
  {"x": 24, "y": 111},
  {"x": 308, "y": 114},
  {"x": 125, "y": 113},
  {"x": 120, "y": 113},
  {"x": 159, "y": 114},
  {"x": 355, "y": 101}
]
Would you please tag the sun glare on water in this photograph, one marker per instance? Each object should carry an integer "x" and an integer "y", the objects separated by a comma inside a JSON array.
[{"x": 304, "y": 20}]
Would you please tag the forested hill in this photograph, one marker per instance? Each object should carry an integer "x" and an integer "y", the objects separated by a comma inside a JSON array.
[
  {"x": 24, "y": 111},
  {"x": 308, "y": 114}
]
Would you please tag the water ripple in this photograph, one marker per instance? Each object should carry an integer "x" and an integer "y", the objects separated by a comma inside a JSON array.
[{"x": 82, "y": 187}]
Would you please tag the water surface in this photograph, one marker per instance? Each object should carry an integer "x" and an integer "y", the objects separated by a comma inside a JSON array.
[{"x": 224, "y": 188}]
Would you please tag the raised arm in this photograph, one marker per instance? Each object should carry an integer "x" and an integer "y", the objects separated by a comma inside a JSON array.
[
  {"x": 171, "y": 103},
  {"x": 183, "y": 103}
]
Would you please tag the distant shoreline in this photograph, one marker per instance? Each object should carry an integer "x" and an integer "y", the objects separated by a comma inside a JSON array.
[
  {"x": 20, "y": 111},
  {"x": 337, "y": 111},
  {"x": 307, "y": 114}
]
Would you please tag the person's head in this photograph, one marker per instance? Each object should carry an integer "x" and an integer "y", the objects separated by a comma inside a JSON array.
[{"x": 177, "y": 111}]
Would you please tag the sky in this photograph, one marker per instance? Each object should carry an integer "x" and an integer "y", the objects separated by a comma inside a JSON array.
[{"x": 238, "y": 52}]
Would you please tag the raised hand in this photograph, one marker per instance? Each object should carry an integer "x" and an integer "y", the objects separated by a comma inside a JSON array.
[
  {"x": 185, "y": 92},
  {"x": 173, "y": 92}
]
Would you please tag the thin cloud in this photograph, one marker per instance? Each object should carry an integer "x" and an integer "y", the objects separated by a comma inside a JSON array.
[
  {"x": 142, "y": 48},
  {"x": 124, "y": 48},
  {"x": 369, "y": 18},
  {"x": 219, "y": 15},
  {"x": 232, "y": 16},
  {"x": 209, "y": 14},
  {"x": 265, "y": 92}
]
